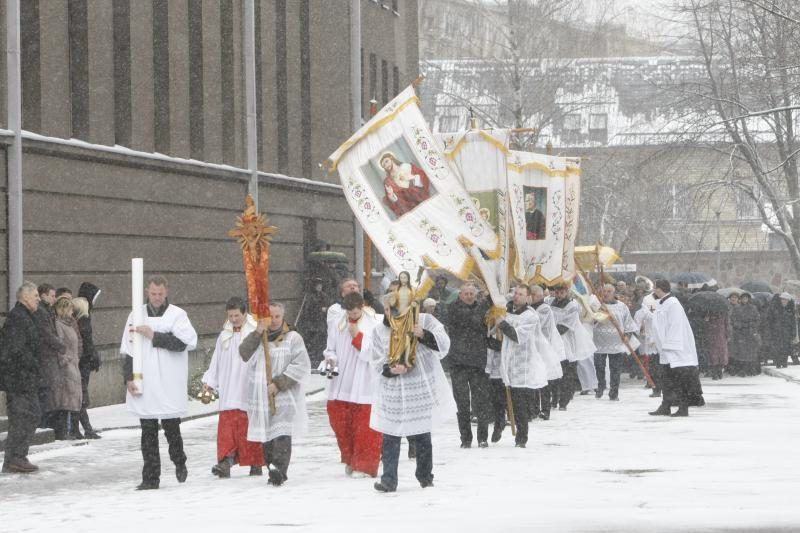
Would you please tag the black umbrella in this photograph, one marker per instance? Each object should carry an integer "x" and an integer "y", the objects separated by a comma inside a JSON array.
[
  {"x": 658, "y": 275},
  {"x": 756, "y": 286},
  {"x": 694, "y": 280},
  {"x": 762, "y": 299},
  {"x": 707, "y": 302}
]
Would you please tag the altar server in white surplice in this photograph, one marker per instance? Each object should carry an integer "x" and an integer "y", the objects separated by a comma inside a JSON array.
[
  {"x": 409, "y": 402},
  {"x": 290, "y": 368},
  {"x": 229, "y": 376},
  {"x": 522, "y": 362}
]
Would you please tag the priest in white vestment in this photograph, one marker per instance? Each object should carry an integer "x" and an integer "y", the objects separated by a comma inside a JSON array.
[
  {"x": 291, "y": 367},
  {"x": 409, "y": 402},
  {"x": 229, "y": 376},
  {"x": 553, "y": 354},
  {"x": 578, "y": 345},
  {"x": 675, "y": 342},
  {"x": 522, "y": 363},
  {"x": 167, "y": 337},
  {"x": 610, "y": 345}
]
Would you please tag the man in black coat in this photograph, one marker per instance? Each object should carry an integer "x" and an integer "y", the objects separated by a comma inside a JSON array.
[
  {"x": 50, "y": 347},
  {"x": 467, "y": 358},
  {"x": 19, "y": 366}
]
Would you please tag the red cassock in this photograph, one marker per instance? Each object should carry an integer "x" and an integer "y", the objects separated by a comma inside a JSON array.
[
  {"x": 232, "y": 439},
  {"x": 408, "y": 198}
]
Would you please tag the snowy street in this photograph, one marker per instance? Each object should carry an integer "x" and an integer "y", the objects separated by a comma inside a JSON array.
[{"x": 600, "y": 466}]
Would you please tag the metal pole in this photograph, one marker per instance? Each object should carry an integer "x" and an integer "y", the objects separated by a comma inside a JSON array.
[
  {"x": 355, "y": 107},
  {"x": 14, "y": 153},
  {"x": 250, "y": 95},
  {"x": 719, "y": 248}
]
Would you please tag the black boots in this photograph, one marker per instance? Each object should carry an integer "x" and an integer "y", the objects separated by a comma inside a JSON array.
[
  {"x": 663, "y": 410},
  {"x": 683, "y": 410},
  {"x": 181, "y": 473},
  {"x": 223, "y": 468}
]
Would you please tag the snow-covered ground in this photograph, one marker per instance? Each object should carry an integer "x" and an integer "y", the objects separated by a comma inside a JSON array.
[{"x": 600, "y": 466}]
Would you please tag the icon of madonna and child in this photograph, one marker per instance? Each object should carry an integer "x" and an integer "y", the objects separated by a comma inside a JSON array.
[
  {"x": 402, "y": 313},
  {"x": 403, "y": 183}
]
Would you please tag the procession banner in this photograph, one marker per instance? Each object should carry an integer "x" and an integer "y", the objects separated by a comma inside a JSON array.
[
  {"x": 405, "y": 194},
  {"x": 544, "y": 197},
  {"x": 479, "y": 158}
]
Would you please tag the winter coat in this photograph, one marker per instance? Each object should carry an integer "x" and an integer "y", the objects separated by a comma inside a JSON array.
[
  {"x": 467, "y": 333},
  {"x": 50, "y": 347},
  {"x": 745, "y": 322},
  {"x": 781, "y": 328},
  {"x": 20, "y": 363},
  {"x": 717, "y": 333},
  {"x": 65, "y": 388},
  {"x": 89, "y": 358}
]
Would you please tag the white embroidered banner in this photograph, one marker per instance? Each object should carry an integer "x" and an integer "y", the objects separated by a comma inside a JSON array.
[
  {"x": 406, "y": 196},
  {"x": 479, "y": 158},
  {"x": 544, "y": 196}
]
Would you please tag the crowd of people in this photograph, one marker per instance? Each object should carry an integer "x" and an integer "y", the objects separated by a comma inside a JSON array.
[
  {"x": 386, "y": 359},
  {"x": 48, "y": 356}
]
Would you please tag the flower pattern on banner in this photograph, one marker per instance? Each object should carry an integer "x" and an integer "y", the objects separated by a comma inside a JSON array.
[
  {"x": 569, "y": 225},
  {"x": 429, "y": 152},
  {"x": 436, "y": 236},
  {"x": 401, "y": 252},
  {"x": 519, "y": 207},
  {"x": 466, "y": 210},
  {"x": 363, "y": 200},
  {"x": 558, "y": 216}
]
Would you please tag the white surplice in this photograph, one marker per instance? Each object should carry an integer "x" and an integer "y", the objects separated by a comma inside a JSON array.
[
  {"x": 522, "y": 363},
  {"x": 227, "y": 373},
  {"x": 556, "y": 352},
  {"x": 415, "y": 402},
  {"x": 165, "y": 374},
  {"x": 288, "y": 357},
  {"x": 356, "y": 381},
  {"x": 577, "y": 339},
  {"x": 673, "y": 334}
]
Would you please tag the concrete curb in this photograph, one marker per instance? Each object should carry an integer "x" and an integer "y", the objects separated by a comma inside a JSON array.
[{"x": 778, "y": 374}]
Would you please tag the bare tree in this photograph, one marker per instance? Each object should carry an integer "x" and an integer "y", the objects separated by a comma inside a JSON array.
[
  {"x": 524, "y": 67},
  {"x": 746, "y": 102}
]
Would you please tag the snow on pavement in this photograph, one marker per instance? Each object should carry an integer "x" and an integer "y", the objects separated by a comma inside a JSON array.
[{"x": 600, "y": 466}]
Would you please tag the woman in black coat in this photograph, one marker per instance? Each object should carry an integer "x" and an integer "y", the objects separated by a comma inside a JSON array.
[{"x": 90, "y": 360}]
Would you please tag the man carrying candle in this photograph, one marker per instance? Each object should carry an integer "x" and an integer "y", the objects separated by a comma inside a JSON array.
[{"x": 167, "y": 336}]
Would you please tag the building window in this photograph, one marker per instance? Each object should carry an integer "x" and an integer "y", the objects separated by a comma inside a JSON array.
[
  {"x": 196, "y": 131},
  {"x": 572, "y": 122},
  {"x": 384, "y": 81},
  {"x": 226, "y": 80},
  {"x": 78, "y": 30},
  {"x": 449, "y": 124},
  {"x": 598, "y": 127},
  {"x": 746, "y": 207},
  {"x": 160, "y": 76},
  {"x": 122, "y": 72},
  {"x": 30, "y": 41},
  {"x": 373, "y": 76},
  {"x": 395, "y": 81},
  {"x": 395, "y": 8}
]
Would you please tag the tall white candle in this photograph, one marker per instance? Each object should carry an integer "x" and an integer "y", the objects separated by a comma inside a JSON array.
[{"x": 137, "y": 300}]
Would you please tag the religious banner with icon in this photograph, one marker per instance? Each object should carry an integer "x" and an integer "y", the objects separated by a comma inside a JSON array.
[
  {"x": 405, "y": 194},
  {"x": 544, "y": 198}
]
